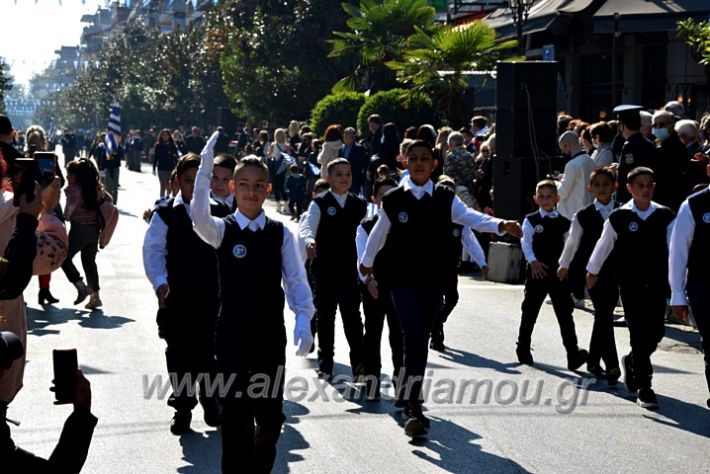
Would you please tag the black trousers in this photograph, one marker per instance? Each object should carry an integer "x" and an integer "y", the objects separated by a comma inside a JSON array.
[
  {"x": 602, "y": 345},
  {"x": 83, "y": 238},
  {"x": 333, "y": 292},
  {"x": 644, "y": 310},
  {"x": 417, "y": 309},
  {"x": 376, "y": 312},
  {"x": 188, "y": 328},
  {"x": 253, "y": 359},
  {"x": 700, "y": 303},
  {"x": 295, "y": 206},
  {"x": 535, "y": 293},
  {"x": 451, "y": 299}
]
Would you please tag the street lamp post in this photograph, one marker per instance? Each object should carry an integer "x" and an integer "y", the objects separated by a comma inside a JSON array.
[{"x": 520, "y": 10}]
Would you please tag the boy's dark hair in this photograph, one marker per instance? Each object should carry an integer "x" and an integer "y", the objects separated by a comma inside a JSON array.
[
  {"x": 225, "y": 160},
  {"x": 446, "y": 181},
  {"x": 380, "y": 183},
  {"x": 546, "y": 183},
  {"x": 187, "y": 162},
  {"x": 419, "y": 143},
  {"x": 321, "y": 185},
  {"x": 250, "y": 162},
  {"x": 639, "y": 171},
  {"x": 294, "y": 168},
  {"x": 338, "y": 161},
  {"x": 604, "y": 171}
]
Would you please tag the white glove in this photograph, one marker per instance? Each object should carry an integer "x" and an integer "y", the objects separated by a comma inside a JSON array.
[
  {"x": 302, "y": 336},
  {"x": 207, "y": 153}
]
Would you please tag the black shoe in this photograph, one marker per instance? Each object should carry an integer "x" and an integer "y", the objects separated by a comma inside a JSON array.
[
  {"x": 596, "y": 371},
  {"x": 414, "y": 428},
  {"x": 708, "y": 402},
  {"x": 576, "y": 359},
  {"x": 180, "y": 423},
  {"x": 612, "y": 376},
  {"x": 647, "y": 399},
  {"x": 524, "y": 355},
  {"x": 629, "y": 380},
  {"x": 415, "y": 411},
  {"x": 212, "y": 416},
  {"x": 45, "y": 297},
  {"x": 437, "y": 345},
  {"x": 323, "y": 375}
]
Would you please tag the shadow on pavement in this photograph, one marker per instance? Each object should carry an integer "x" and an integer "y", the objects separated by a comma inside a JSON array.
[
  {"x": 202, "y": 450},
  {"x": 291, "y": 440},
  {"x": 39, "y": 320},
  {"x": 459, "y": 356},
  {"x": 455, "y": 449},
  {"x": 682, "y": 415}
]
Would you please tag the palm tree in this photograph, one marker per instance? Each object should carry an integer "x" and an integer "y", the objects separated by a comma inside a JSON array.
[
  {"x": 378, "y": 33},
  {"x": 435, "y": 63}
]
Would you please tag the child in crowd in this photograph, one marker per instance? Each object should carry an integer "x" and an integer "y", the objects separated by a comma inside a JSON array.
[
  {"x": 256, "y": 256},
  {"x": 689, "y": 250},
  {"x": 638, "y": 232},
  {"x": 183, "y": 271},
  {"x": 415, "y": 222},
  {"x": 585, "y": 230},
  {"x": 461, "y": 237},
  {"x": 296, "y": 187},
  {"x": 544, "y": 233},
  {"x": 329, "y": 233},
  {"x": 221, "y": 176},
  {"x": 377, "y": 303}
]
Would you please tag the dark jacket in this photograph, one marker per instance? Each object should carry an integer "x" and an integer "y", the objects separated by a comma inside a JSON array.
[
  {"x": 357, "y": 157},
  {"x": 16, "y": 264},
  {"x": 166, "y": 155},
  {"x": 67, "y": 458}
]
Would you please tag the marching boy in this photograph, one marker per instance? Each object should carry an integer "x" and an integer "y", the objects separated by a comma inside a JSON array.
[
  {"x": 187, "y": 297},
  {"x": 415, "y": 219},
  {"x": 255, "y": 255},
  {"x": 544, "y": 233},
  {"x": 221, "y": 176},
  {"x": 329, "y": 233},
  {"x": 585, "y": 230},
  {"x": 638, "y": 232},
  {"x": 690, "y": 266}
]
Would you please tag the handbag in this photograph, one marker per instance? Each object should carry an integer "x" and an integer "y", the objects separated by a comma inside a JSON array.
[{"x": 108, "y": 219}]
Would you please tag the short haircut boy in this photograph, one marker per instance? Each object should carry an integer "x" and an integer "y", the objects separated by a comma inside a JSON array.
[
  {"x": 330, "y": 168},
  {"x": 639, "y": 171},
  {"x": 226, "y": 160},
  {"x": 419, "y": 143},
  {"x": 382, "y": 182},
  {"x": 187, "y": 162},
  {"x": 604, "y": 171},
  {"x": 321, "y": 185},
  {"x": 250, "y": 162},
  {"x": 546, "y": 184}
]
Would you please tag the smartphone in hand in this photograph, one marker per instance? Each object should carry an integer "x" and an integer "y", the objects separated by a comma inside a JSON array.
[{"x": 65, "y": 367}]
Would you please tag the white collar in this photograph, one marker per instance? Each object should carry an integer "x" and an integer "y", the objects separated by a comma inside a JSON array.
[
  {"x": 428, "y": 188},
  {"x": 245, "y": 222},
  {"x": 552, "y": 213},
  {"x": 632, "y": 205},
  {"x": 341, "y": 198},
  {"x": 178, "y": 201},
  {"x": 599, "y": 206}
]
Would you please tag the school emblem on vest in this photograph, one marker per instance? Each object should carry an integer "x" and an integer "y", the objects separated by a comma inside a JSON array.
[
  {"x": 239, "y": 251},
  {"x": 331, "y": 211},
  {"x": 403, "y": 217},
  {"x": 706, "y": 217},
  {"x": 539, "y": 228},
  {"x": 633, "y": 226},
  {"x": 457, "y": 233},
  {"x": 629, "y": 159}
]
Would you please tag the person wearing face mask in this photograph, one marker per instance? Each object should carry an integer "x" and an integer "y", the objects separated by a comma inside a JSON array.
[
  {"x": 672, "y": 161},
  {"x": 636, "y": 150},
  {"x": 603, "y": 154}
]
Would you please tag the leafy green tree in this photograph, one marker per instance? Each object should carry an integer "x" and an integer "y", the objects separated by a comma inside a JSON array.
[
  {"x": 435, "y": 64},
  {"x": 378, "y": 32},
  {"x": 5, "y": 82},
  {"x": 696, "y": 34},
  {"x": 402, "y": 107},
  {"x": 336, "y": 108}
]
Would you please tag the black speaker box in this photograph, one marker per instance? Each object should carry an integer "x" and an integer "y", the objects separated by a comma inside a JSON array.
[{"x": 526, "y": 133}]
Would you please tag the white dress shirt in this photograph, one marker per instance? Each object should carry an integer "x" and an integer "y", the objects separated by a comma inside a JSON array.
[
  {"x": 211, "y": 229},
  {"x": 308, "y": 228},
  {"x": 606, "y": 242},
  {"x": 154, "y": 247},
  {"x": 528, "y": 233},
  {"x": 576, "y": 232},
  {"x": 573, "y": 186},
  {"x": 460, "y": 214},
  {"x": 681, "y": 239}
]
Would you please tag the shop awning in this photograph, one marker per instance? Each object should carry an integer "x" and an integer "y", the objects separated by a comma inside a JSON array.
[
  {"x": 639, "y": 16},
  {"x": 542, "y": 15}
]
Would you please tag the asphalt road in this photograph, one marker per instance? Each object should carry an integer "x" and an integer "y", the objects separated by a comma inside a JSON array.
[{"x": 574, "y": 425}]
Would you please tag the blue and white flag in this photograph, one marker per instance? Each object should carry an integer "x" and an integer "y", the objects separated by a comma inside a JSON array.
[
  {"x": 114, "y": 126},
  {"x": 52, "y": 131}
]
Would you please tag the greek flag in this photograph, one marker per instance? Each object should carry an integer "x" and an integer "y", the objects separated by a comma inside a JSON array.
[{"x": 114, "y": 126}]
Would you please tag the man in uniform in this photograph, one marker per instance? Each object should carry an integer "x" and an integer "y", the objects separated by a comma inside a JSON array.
[{"x": 637, "y": 150}]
